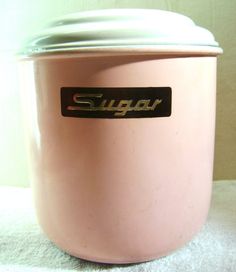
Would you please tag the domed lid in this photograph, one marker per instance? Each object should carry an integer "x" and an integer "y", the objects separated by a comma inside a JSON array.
[{"x": 124, "y": 30}]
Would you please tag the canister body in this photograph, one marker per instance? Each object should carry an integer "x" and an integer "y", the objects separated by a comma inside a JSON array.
[{"x": 121, "y": 190}]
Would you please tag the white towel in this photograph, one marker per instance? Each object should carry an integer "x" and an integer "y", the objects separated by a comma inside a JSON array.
[{"x": 24, "y": 248}]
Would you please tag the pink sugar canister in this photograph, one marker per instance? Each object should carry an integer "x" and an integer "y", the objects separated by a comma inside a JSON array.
[{"x": 120, "y": 115}]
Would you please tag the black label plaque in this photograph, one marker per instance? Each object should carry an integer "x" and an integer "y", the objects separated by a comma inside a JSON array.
[{"x": 140, "y": 102}]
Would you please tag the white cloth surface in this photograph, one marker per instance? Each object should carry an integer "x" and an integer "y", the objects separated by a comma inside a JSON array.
[{"x": 24, "y": 248}]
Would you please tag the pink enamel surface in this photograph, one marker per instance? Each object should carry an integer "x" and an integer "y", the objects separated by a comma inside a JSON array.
[{"x": 124, "y": 190}]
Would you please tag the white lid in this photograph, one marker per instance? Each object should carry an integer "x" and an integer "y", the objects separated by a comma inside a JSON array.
[{"x": 121, "y": 30}]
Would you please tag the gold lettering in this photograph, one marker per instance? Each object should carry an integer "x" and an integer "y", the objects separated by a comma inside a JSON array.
[
  {"x": 110, "y": 106},
  {"x": 87, "y": 104},
  {"x": 124, "y": 106},
  {"x": 102, "y": 105},
  {"x": 142, "y": 105},
  {"x": 157, "y": 102}
]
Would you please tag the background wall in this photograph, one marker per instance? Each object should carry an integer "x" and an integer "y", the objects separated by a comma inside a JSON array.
[{"x": 21, "y": 18}]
